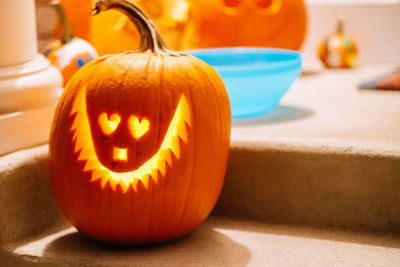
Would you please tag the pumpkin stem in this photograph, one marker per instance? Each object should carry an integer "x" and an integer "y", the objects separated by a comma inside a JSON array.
[
  {"x": 340, "y": 25},
  {"x": 150, "y": 39},
  {"x": 67, "y": 34}
]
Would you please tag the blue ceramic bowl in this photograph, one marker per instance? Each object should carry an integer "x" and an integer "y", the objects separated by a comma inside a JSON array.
[{"x": 256, "y": 78}]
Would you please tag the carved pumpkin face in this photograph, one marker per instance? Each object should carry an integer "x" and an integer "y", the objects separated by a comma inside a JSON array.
[
  {"x": 140, "y": 141},
  {"x": 266, "y": 23},
  {"x": 123, "y": 149}
]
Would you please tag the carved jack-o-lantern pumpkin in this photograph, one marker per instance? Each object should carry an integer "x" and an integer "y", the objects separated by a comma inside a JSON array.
[
  {"x": 266, "y": 23},
  {"x": 70, "y": 53},
  {"x": 140, "y": 140}
]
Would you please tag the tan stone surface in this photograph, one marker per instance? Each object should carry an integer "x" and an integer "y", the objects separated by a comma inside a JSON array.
[
  {"x": 327, "y": 158},
  {"x": 316, "y": 189},
  {"x": 325, "y": 111},
  {"x": 328, "y": 155},
  {"x": 26, "y": 204},
  {"x": 220, "y": 241}
]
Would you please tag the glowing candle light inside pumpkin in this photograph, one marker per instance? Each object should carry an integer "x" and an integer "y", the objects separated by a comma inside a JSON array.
[
  {"x": 138, "y": 127},
  {"x": 120, "y": 154}
]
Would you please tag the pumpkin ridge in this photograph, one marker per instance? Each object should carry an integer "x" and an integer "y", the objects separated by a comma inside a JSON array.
[
  {"x": 153, "y": 195},
  {"x": 189, "y": 90}
]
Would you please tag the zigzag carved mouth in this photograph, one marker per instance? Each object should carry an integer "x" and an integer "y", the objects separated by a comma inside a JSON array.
[{"x": 177, "y": 134}]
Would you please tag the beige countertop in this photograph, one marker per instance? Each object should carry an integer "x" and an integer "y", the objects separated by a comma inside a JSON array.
[
  {"x": 220, "y": 241},
  {"x": 328, "y": 155},
  {"x": 314, "y": 182},
  {"x": 326, "y": 110}
]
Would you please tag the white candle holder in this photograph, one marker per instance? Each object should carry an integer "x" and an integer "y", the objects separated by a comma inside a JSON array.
[{"x": 29, "y": 85}]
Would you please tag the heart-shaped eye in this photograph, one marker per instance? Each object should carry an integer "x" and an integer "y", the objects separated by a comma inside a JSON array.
[
  {"x": 108, "y": 125},
  {"x": 138, "y": 127}
]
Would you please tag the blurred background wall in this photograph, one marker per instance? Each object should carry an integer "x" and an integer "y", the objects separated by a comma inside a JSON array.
[
  {"x": 374, "y": 24},
  {"x": 46, "y": 21},
  {"x": 375, "y": 27}
]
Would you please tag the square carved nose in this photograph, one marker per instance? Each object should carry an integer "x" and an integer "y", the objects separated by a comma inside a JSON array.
[{"x": 120, "y": 154}]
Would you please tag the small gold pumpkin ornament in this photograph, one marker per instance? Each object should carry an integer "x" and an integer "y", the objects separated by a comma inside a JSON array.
[{"x": 338, "y": 50}]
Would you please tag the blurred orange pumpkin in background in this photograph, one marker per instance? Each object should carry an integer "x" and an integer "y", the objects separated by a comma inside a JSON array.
[
  {"x": 78, "y": 14},
  {"x": 195, "y": 24},
  {"x": 338, "y": 50},
  {"x": 112, "y": 32},
  {"x": 263, "y": 23}
]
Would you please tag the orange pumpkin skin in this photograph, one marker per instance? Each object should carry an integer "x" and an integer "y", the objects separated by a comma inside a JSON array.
[
  {"x": 262, "y": 23},
  {"x": 171, "y": 199}
]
